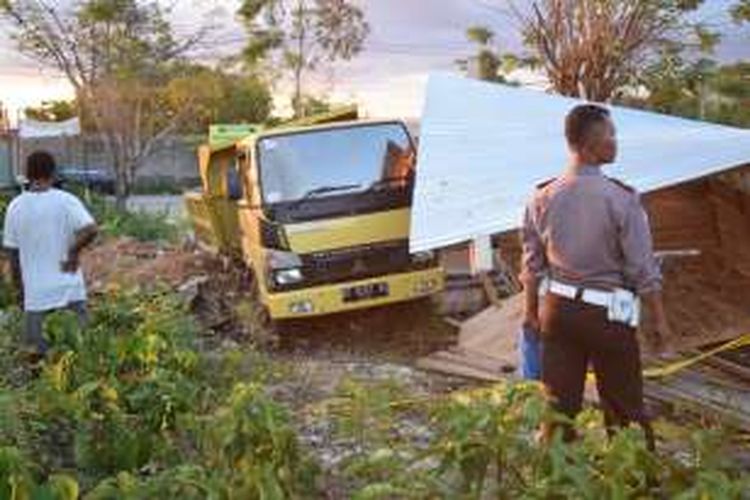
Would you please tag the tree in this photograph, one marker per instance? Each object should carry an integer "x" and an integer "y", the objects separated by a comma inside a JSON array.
[
  {"x": 741, "y": 11},
  {"x": 218, "y": 97},
  {"x": 489, "y": 64},
  {"x": 52, "y": 111},
  {"x": 486, "y": 63},
  {"x": 698, "y": 89},
  {"x": 119, "y": 56},
  {"x": 298, "y": 35},
  {"x": 311, "y": 106},
  {"x": 593, "y": 48}
]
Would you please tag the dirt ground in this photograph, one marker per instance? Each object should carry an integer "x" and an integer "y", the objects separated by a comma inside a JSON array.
[{"x": 706, "y": 299}]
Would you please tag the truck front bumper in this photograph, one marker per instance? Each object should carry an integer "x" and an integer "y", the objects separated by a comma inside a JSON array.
[{"x": 353, "y": 295}]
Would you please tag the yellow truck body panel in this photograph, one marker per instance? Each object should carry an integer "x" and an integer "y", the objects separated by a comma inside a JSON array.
[
  {"x": 348, "y": 231},
  {"x": 328, "y": 299}
]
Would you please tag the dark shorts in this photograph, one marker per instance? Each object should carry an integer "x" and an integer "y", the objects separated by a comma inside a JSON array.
[
  {"x": 34, "y": 324},
  {"x": 576, "y": 335}
]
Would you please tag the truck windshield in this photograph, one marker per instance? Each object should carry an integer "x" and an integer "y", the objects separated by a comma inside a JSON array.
[{"x": 300, "y": 167}]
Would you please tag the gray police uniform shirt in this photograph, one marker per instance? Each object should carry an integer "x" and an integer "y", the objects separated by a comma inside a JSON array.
[{"x": 589, "y": 230}]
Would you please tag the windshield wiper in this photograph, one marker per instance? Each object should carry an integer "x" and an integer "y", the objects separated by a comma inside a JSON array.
[{"x": 324, "y": 190}]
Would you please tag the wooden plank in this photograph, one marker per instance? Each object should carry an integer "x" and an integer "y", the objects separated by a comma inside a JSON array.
[
  {"x": 736, "y": 370},
  {"x": 494, "y": 331},
  {"x": 699, "y": 399}
]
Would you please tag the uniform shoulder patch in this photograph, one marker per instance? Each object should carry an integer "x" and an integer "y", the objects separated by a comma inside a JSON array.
[
  {"x": 546, "y": 183},
  {"x": 621, "y": 184}
]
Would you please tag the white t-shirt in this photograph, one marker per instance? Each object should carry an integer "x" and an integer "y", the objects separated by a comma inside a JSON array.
[{"x": 42, "y": 226}]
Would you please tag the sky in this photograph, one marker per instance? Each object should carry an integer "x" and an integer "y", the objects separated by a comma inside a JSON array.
[{"x": 408, "y": 40}]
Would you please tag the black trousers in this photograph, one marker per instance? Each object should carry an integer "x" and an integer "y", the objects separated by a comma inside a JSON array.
[{"x": 576, "y": 334}]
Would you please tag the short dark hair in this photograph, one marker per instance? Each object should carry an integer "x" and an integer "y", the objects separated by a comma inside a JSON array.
[
  {"x": 40, "y": 166},
  {"x": 581, "y": 120}
]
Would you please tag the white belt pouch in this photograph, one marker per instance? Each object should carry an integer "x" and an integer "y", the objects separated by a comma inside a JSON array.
[{"x": 623, "y": 306}]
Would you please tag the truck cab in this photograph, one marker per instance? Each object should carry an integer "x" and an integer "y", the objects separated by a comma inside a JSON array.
[{"x": 320, "y": 214}]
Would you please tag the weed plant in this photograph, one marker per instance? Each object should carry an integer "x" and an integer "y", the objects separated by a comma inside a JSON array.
[{"x": 126, "y": 408}]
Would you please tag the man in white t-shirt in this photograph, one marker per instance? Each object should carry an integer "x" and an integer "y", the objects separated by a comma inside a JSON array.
[{"x": 45, "y": 231}]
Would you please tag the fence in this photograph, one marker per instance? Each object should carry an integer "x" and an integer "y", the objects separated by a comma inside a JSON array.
[
  {"x": 173, "y": 162},
  {"x": 7, "y": 154}
]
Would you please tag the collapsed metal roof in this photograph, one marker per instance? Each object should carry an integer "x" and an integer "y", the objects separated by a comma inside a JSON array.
[{"x": 484, "y": 146}]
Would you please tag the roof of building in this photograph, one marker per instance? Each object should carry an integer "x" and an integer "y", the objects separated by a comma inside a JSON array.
[{"x": 484, "y": 146}]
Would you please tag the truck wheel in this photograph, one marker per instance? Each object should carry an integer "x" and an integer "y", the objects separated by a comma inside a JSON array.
[{"x": 264, "y": 328}]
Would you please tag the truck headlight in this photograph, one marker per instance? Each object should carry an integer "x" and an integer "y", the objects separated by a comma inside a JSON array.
[
  {"x": 287, "y": 276},
  {"x": 277, "y": 259}
]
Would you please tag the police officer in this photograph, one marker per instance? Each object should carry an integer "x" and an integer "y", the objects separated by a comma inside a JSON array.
[{"x": 587, "y": 251}]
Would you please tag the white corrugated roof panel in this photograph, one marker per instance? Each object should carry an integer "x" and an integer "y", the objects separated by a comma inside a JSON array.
[{"x": 483, "y": 147}]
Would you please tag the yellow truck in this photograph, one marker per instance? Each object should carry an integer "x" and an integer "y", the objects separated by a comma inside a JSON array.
[{"x": 319, "y": 213}]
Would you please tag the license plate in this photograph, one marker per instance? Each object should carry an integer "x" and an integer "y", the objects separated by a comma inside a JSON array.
[{"x": 364, "y": 292}]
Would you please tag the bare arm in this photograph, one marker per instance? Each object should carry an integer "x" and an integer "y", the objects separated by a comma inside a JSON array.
[
  {"x": 533, "y": 266},
  {"x": 84, "y": 238},
  {"x": 531, "y": 305},
  {"x": 662, "y": 334},
  {"x": 642, "y": 269}
]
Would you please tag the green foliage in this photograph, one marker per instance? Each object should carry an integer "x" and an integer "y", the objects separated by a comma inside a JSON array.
[
  {"x": 5, "y": 200},
  {"x": 130, "y": 405},
  {"x": 490, "y": 64},
  {"x": 299, "y": 35},
  {"x": 741, "y": 11},
  {"x": 218, "y": 97},
  {"x": 7, "y": 292},
  {"x": 311, "y": 106},
  {"x": 252, "y": 437},
  {"x": 7, "y": 289},
  {"x": 141, "y": 225},
  {"x": 52, "y": 111},
  {"x": 483, "y": 445},
  {"x": 697, "y": 89},
  {"x": 369, "y": 413},
  {"x": 120, "y": 57},
  {"x": 17, "y": 480}
]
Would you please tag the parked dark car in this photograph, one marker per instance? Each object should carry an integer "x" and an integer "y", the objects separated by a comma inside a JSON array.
[{"x": 93, "y": 179}]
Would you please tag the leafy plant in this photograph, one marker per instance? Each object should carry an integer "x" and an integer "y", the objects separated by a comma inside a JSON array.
[
  {"x": 17, "y": 481},
  {"x": 141, "y": 225},
  {"x": 484, "y": 445},
  {"x": 7, "y": 292},
  {"x": 253, "y": 441}
]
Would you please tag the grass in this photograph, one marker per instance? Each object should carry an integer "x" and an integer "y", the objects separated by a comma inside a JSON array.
[{"x": 140, "y": 225}]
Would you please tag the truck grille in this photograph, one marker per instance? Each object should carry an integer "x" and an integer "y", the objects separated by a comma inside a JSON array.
[{"x": 356, "y": 262}]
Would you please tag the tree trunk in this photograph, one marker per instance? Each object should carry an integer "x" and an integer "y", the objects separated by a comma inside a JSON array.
[
  {"x": 122, "y": 184},
  {"x": 299, "y": 110}
]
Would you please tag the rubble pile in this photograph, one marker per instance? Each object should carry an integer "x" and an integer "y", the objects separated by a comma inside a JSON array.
[
  {"x": 707, "y": 300},
  {"x": 126, "y": 263},
  {"x": 213, "y": 286}
]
